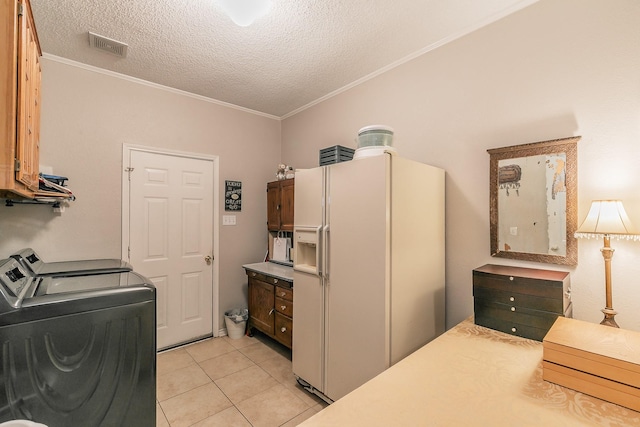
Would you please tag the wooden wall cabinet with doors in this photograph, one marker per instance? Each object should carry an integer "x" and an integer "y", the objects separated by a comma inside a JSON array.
[
  {"x": 271, "y": 306},
  {"x": 20, "y": 77},
  {"x": 280, "y": 205}
]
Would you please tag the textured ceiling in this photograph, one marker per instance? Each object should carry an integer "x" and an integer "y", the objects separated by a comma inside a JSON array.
[{"x": 302, "y": 51}]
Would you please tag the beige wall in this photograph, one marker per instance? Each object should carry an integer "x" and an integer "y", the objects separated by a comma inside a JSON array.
[
  {"x": 555, "y": 69},
  {"x": 88, "y": 116}
]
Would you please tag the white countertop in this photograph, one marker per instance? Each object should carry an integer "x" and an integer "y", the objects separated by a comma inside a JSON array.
[
  {"x": 470, "y": 376},
  {"x": 279, "y": 271}
]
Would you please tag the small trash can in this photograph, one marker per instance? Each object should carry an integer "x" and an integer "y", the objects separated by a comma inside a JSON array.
[{"x": 236, "y": 322}]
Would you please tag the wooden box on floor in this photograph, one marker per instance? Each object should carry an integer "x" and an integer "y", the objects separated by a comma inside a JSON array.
[{"x": 597, "y": 360}]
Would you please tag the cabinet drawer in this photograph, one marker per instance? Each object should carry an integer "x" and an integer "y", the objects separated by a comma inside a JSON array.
[
  {"x": 284, "y": 293},
  {"x": 521, "y": 285},
  {"x": 520, "y": 321},
  {"x": 285, "y": 307},
  {"x": 528, "y": 281},
  {"x": 269, "y": 279},
  {"x": 284, "y": 326},
  {"x": 554, "y": 305},
  {"x": 524, "y": 331}
]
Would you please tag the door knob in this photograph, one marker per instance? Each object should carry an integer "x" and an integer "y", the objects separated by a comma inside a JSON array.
[{"x": 208, "y": 259}]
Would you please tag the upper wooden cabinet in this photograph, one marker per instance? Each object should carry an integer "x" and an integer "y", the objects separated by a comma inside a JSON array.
[
  {"x": 280, "y": 205},
  {"x": 20, "y": 77}
]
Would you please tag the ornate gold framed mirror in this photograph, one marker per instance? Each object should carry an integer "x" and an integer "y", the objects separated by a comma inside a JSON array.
[{"x": 533, "y": 201}]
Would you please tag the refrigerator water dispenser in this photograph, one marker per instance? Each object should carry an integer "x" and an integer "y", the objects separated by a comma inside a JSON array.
[{"x": 306, "y": 249}]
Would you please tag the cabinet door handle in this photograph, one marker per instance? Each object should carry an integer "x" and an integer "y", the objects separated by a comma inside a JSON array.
[
  {"x": 283, "y": 329},
  {"x": 275, "y": 280},
  {"x": 271, "y": 312},
  {"x": 513, "y": 309}
]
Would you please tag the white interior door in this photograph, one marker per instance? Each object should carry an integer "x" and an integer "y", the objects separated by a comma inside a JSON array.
[{"x": 171, "y": 240}]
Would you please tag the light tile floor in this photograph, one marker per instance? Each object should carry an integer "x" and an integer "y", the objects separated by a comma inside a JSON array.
[{"x": 223, "y": 382}]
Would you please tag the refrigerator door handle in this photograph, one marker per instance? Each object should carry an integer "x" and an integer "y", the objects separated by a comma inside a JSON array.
[
  {"x": 319, "y": 246},
  {"x": 325, "y": 251}
]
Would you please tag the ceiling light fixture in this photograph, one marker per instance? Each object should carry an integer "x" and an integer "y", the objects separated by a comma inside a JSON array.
[{"x": 244, "y": 12}]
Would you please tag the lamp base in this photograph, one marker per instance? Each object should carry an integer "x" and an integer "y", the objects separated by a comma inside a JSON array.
[{"x": 609, "y": 315}]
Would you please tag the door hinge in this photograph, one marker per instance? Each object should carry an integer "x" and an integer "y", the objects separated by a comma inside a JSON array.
[
  {"x": 129, "y": 252},
  {"x": 129, "y": 170},
  {"x": 16, "y": 165},
  {"x": 20, "y": 9}
]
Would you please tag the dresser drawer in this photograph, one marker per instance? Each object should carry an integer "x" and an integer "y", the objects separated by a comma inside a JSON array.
[
  {"x": 524, "y": 331},
  {"x": 284, "y": 327},
  {"x": 284, "y": 293},
  {"x": 285, "y": 307},
  {"x": 520, "y": 321},
  {"x": 554, "y": 284},
  {"x": 269, "y": 279},
  {"x": 554, "y": 305}
]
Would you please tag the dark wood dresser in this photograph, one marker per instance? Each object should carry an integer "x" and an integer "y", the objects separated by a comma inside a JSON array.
[
  {"x": 271, "y": 306},
  {"x": 520, "y": 301}
]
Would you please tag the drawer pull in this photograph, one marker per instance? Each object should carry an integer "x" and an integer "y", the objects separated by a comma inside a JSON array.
[
  {"x": 512, "y": 299},
  {"x": 275, "y": 280},
  {"x": 253, "y": 274},
  {"x": 511, "y": 278},
  {"x": 283, "y": 329},
  {"x": 513, "y": 309},
  {"x": 513, "y": 329},
  {"x": 282, "y": 294},
  {"x": 283, "y": 307}
]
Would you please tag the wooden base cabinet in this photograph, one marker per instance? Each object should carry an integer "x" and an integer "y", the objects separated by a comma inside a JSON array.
[
  {"x": 20, "y": 76},
  {"x": 271, "y": 306}
]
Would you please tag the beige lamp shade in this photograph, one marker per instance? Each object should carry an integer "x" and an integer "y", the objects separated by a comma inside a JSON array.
[{"x": 607, "y": 217}]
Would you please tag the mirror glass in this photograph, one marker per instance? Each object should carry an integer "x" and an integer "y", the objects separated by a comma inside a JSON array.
[{"x": 533, "y": 201}]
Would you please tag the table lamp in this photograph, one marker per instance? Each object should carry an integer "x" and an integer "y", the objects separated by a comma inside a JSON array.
[{"x": 607, "y": 218}]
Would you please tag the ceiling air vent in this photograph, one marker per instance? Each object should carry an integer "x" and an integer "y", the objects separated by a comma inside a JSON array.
[{"x": 106, "y": 44}]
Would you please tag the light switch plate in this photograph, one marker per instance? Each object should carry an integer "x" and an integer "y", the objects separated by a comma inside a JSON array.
[{"x": 228, "y": 220}]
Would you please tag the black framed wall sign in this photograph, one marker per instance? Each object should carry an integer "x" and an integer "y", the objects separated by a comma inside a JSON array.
[{"x": 232, "y": 196}]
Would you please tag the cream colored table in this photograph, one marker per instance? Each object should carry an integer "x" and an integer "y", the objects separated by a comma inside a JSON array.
[{"x": 471, "y": 376}]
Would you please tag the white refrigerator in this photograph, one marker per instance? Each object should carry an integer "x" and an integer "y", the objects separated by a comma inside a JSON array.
[{"x": 369, "y": 269}]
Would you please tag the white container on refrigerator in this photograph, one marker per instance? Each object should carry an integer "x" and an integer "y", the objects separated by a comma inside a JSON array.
[{"x": 376, "y": 293}]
